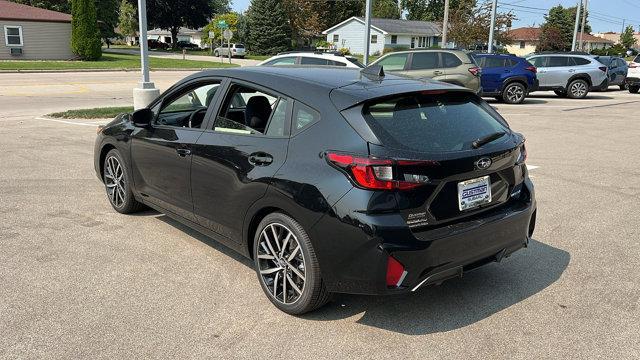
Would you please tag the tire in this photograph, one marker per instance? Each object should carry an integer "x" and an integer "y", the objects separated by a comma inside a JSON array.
[
  {"x": 117, "y": 182},
  {"x": 514, "y": 93},
  {"x": 216, "y": 53},
  {"x": 560, "y": 93},
  {"x": 578, "y": 89},
  {"x": 634, "y": 89},
  {"x": 623, "y": 86},
  {"x": 303, "y": 261}
]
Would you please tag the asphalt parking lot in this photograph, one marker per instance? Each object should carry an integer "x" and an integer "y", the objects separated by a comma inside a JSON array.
[{"x": 78, "y": 280}]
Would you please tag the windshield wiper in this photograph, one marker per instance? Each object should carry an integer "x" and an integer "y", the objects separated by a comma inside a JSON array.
[{"x": 487, "y": 139}]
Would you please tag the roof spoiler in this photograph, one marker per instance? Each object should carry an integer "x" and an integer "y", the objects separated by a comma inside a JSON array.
[{"x": 373, "y": 72}]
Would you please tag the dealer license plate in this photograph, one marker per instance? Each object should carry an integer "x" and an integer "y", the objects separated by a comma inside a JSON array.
[{"x": 473, "y": 193}]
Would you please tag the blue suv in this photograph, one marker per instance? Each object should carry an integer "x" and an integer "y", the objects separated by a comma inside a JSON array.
[{"x": 508, "y": 78}]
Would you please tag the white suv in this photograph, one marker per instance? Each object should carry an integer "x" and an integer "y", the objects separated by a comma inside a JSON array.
[
  {"x": 313, "y": 59},
  {"x": 633, "y": 76}
]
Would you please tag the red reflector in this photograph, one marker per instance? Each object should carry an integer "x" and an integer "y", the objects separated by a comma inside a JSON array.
[
  {"x": 394, "y": 272},
  {"x": 533, "y": 69},
  {"x": 476, "y": 71}
]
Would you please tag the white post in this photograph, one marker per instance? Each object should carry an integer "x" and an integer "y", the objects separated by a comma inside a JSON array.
[
  {"x": 575, "y": 27},
  {"x": 146, "y": 91},
  {"x": 445, "y": 23},
  {"x": 494, "y": 8},
  {"x": 584, "y": 20},
  {"x": 367, "y": 31}
]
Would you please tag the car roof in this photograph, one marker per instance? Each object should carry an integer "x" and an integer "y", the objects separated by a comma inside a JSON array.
[
  {"x": 347, "y": 86},
  {"x": 314, "y": 55}
]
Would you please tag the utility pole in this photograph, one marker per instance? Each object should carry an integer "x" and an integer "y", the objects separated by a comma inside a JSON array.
[
  {"x": 367, "y": 31},
  {"x": 146, "y": 91},
  {"x": 494, "y": 8},
  {"x": 445, "y": 23},
  {"x": 623, "y": 23},
  {"x": 575, "y": 28},
  {"x": 584, "y": 21}
]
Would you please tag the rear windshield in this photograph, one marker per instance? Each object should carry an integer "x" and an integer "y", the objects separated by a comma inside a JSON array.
[
  {"x": 355, "y": 61},
  {"x": 428, "y": 122},
  {"x": 239, "y": 46}
]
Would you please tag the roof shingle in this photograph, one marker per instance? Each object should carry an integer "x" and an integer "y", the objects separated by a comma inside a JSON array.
[{"x": 13, "y": 11}]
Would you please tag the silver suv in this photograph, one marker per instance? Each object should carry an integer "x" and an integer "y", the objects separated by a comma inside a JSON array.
[{"x": 569, "y": 75}]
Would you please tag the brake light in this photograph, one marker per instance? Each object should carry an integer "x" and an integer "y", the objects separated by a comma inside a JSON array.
[
  {"x": 395, "y": 272},
  {"x": 378, "y": 174},
  {"x": 532, "y": 68},
  {"x": 476, "y": 71},
  {"x": 603, "y": 68}
]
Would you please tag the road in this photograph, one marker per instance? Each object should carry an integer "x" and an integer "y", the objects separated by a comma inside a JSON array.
[{"x": 78, "y": 280}]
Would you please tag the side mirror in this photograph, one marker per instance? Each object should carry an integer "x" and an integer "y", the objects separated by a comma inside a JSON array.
[{"x": 142, "y": 117}]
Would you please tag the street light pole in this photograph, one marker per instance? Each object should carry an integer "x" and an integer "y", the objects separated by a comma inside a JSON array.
[
  {"x": 367, "y": 31},
  {"x": 445, "y": 23},
  {"x": 494, "y": 8},
  {"x": 146, "y": 92},
  {"x": 575, "y": 27}
]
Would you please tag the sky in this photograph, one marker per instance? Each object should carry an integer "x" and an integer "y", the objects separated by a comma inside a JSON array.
[{"x": 605, "y": 15}]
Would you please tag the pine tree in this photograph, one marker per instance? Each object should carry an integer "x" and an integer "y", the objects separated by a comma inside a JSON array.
[
  {"x": 626, "y": 38},
  {"x": 269, "y": 28},
  {"x": 85, "y": 35}
]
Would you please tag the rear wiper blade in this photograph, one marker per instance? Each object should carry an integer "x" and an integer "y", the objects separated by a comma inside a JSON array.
[{"x": 487, "y": 139}]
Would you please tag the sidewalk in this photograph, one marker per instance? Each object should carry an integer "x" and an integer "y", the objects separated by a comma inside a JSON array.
[{"x": 168, "y": 55}]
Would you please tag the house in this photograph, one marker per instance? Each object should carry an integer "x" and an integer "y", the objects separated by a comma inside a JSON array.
[
  {"x": 615, "y": 37},
  {"x": 184, "y": 34},
  {"x": 384, "y": 33},
  {"x": 30, "y": 33},
  {"x": 525, "y": 41}
]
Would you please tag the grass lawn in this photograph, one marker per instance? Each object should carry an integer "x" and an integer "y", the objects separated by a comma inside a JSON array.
[
  {"x": 96, "y": 113},
  {"x": 110, "y": 61}
]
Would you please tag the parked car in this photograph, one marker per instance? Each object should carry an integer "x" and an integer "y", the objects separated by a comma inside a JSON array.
[
  {"x": 313, "y": 59},
  {"x": 237, "y": 50},
  {"x": 331, "y": 180},
  {"x": 633, "y": 76},
  {"x": 571, "y": 75},
  {"x": 186, "y": 45},
  {"x": 617, "y": 70},
  {"x": 450, "y": 66},
  {"x": 508, "y": 78},
  {"x": 154, "y": 44}
]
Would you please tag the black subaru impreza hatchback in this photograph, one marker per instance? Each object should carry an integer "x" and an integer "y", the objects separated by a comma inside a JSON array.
[{"x": 329, "y": 179}]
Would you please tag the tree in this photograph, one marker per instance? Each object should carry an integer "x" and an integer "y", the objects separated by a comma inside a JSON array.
[
  {"x": 243, "y": 29},
  {"x": 107, "y": 14},
  {"x": 171, "y": 15},
  {"x": 626, "y": 38},
  {"x": 387, "y": 9},
  {"x": 269, "y": 30},
  {"x": 470, "y": 24},
  {"x": 306, "y": 19},
  {"x": 231, "y": 18},
  {"x": 85, "y": 35},
  {"x": 428, "y": 10},
  {"x": 128, "y": 19},
  {"x": 560, "y": 21}
]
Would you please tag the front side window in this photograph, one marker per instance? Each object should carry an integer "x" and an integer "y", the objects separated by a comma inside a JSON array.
[
  {"x": 540, "y": 61},
  {"x": 13, "y": 36},
  {"x": 432, "y": 122},
  {"x": 188, "y": 108},
  {"x": 394, "y": 62},
  {"x": 425, "y": 61},
  {"x": 245, "y": 110}
]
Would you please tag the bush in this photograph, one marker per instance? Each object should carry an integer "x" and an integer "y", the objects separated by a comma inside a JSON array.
[
  {"x": 390, "y": 49},
  {"x": 344, "y": 51},
  {"x": 85, "y": 34}
]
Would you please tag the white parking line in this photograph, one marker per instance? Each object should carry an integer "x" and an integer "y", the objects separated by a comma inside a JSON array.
[
  {"x": 532, "y": 167},
  {"x": 94, "y": 124}
]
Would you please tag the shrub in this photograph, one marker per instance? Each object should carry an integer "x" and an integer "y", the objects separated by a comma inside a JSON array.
[
  {"x": 344, "y": 51},
  {"x": 390, "y": 49},
  {"x": 85, "y": 34}
]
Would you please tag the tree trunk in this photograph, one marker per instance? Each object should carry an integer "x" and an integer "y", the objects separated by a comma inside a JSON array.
[{"x": 174, "y": 37}]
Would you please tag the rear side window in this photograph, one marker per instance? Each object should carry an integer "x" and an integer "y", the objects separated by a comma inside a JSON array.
[
  {"x": 621, "y": 63},
  {"x": 432, "y": 122},
  {"x": 239, "y": 46},
  {"x": 425, "y": 61},
  {"x": 314, "y": 61},
  {"x": 493, "y": 62},
  {"x": 282, "y": 61},
  {"x": 540, "y": 61},
  {"x": 303, "y": 116},
  {"x": 450, "y": 60},
  {"x": 558, "y": 61},
  {"x": 581, "y": 61},
  {"x": 479, "y": 60},
  {"x": 394, "y": 62},
  {"x": 510, "y": 63}
]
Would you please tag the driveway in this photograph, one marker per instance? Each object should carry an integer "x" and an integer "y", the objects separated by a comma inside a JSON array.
[{"x": 169, "y": 55}]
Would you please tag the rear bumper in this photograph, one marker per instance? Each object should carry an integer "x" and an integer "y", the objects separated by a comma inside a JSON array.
[
  {"x": 360, "y": 245},
  {"x": 602, "y": 86}
]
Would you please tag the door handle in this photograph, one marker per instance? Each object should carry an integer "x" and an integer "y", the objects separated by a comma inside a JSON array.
[
  {"x": 260, "y": 159},
  {"x": 438, "y": 72},
  {"x": 183, "y": 152},
  {"x": 572, "y": 70}
]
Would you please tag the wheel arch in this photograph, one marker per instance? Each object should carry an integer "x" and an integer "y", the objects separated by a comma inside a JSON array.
[
  {"x": 103, "y": 154},
  {"x": 252, "y": 225},
  {"x": 581, "y": 76},
  {"x": 518, "y": 79}
]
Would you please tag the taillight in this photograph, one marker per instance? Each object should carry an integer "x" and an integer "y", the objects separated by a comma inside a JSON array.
[
  {"x": 476, "y": 71},
  {"x": 603, "y": 68},
  {"x": 395, "y": 272},
  {"x": 532, "y": 68},
  {"x": 378, "y": 174}
]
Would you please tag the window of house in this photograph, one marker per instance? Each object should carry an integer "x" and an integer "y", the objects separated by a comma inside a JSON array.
[
  {"x": 522, "y": 44},
  {"x": 413, "y": 42},
  {"x": 374, "y": 39},
  {"x": 336, "y": 38},
  {"x": 394, "y": 39},
  {"x": 13, "y": 36}
]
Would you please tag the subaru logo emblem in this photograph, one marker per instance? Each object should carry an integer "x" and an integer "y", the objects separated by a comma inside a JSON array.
[{"x": 483, "y": 163}]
